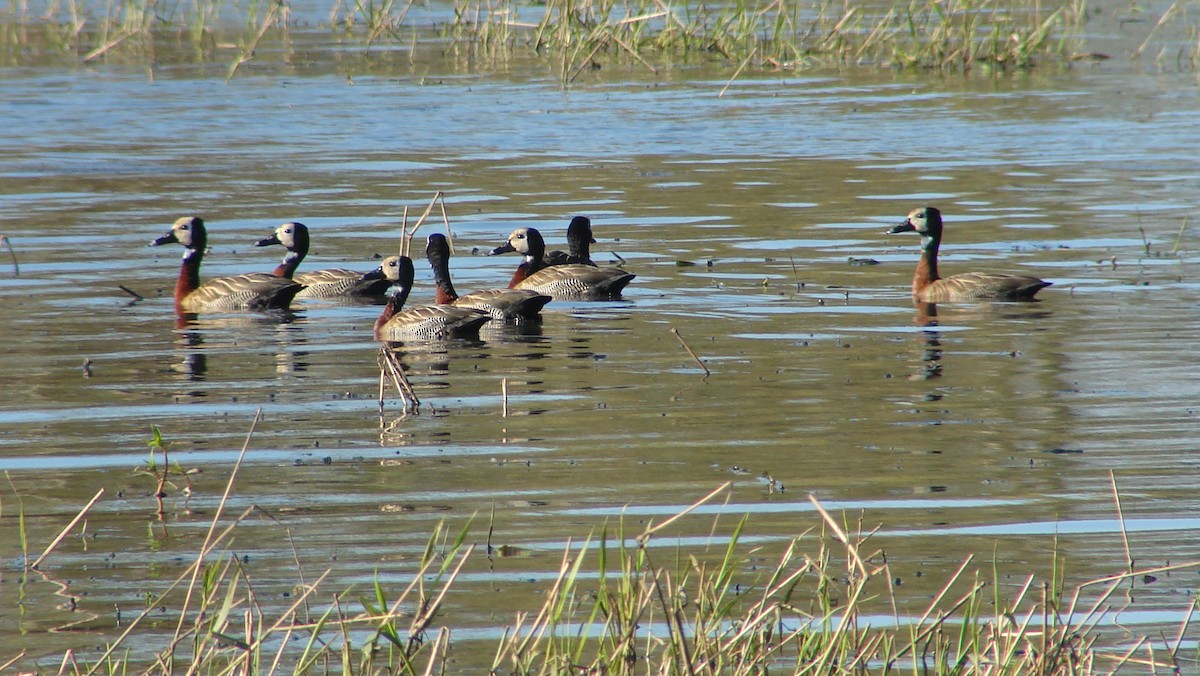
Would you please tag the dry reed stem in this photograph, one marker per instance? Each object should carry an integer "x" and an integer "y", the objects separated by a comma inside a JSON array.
[
  {"x": 309, "y": 590},
  {"x": 248, "y": 53},
  {"x": 736, "y": 73},
  {"x": 408, "y": 236},
  {"x": 541, "y": 621},
  {"x": 441, "y": 198},
  {"x": 63, "y": 533},
  {"x": 682, "y": 342},
  {"x": 440, "y": 645},
  {"x": 428, "y": 610},
  {"x": 405, "y": 240},
  {"x": 103, "y": 49},
  {"x": 198, "y": 565},
  {"x": 17, "y": 268},
  {"x": 391, "y": 363},
  {"x": 1170, "y": 12},
  {"x": 1187, "y": 620},
  {"x": 5, "y": 665},
  {"x": 161, "y": 598},
  {"x": 840, "y": 535},
  {"x": 652, "y": 528},
  {"x": 1112, "y": 479}
]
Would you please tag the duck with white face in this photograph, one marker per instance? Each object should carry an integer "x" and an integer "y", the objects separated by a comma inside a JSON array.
[
  {"x": 560, "y": 281},
  {"x": 929, "y": 287},
  {"x": 433, "y": 322},
  {"x": 327, "y": 283}
]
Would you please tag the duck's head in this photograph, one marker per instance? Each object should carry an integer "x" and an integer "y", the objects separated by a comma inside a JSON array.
[
  {"x": 927, "y": 221},
  {"x": 188, "y": 231},
  {"x": 394, "y": 269},
  {"x": 437, "y": 246},
  {"x": 292, "y": 235},
  {"x": 580, "y": 229},
  {"x": 526, "y": 241}
]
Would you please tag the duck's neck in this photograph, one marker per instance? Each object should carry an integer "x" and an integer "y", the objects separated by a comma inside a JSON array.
[
  {"x": 444, "y": 293},
  {"x": 291, "y": 261},
  {"x": 395, "y": 303},
  {"x": 519, "y": 275},
  {"x": 189, "y": 276},
  {"x": 580, "y": 249},
  {"x": 927, "y": 267}
]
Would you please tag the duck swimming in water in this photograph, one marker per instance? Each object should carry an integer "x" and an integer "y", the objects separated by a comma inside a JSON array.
[
  {"x": 929, "y": 287},
  {"x": 560, "y": 281}
]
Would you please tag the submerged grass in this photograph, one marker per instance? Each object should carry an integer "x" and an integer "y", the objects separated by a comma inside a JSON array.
[
  {"x": 623, "y": 604},
  {"x": 575, "y": 35}
]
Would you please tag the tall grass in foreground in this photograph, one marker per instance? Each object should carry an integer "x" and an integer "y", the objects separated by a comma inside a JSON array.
[{"x": 625, "y": 605}]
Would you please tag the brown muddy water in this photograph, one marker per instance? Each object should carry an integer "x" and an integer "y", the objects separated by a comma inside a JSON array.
[{"x": 990, "y": 431}]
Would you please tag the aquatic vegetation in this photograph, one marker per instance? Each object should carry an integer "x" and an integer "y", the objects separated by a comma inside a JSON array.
[
  {"x": 781, "y": 34},
  {"x": 577, "y": 35},
  {"x": 621, "y": 603}
]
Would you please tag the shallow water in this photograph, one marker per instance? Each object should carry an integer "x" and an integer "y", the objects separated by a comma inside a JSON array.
[{"x": 990, "y": 432}]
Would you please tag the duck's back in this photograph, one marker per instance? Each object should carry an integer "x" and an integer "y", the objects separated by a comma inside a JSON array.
[
  {"x": 982, "y": 286},
  {"x": 334, "y": 282},
  {"x": 505, "y": 304}
]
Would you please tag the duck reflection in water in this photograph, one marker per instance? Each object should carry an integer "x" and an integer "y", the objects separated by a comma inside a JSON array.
[
  {"x": 194, "y": 365},
  {"x": 931, "y": 341},
  {"x": 192, "y": 333}
]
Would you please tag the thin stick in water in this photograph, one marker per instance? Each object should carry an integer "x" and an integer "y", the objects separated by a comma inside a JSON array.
[
  {"x": 1112, "y": 478},
  {"x": 1174, "y": 249},
  {"x": 78, "y": 517},
  {"x": 12, "y": 254},
  {"x": 428, "y": 209},
  {"x": 504, "y": 397},
  {"x": 737, "y": 72},
  {"x": 675, "y": 331},
  {"x": 388, "y": 362},
  {"x": 441, "y": 198}
]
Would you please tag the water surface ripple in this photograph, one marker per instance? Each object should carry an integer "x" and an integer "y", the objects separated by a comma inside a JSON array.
[{"x": 990, "y": 430}]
